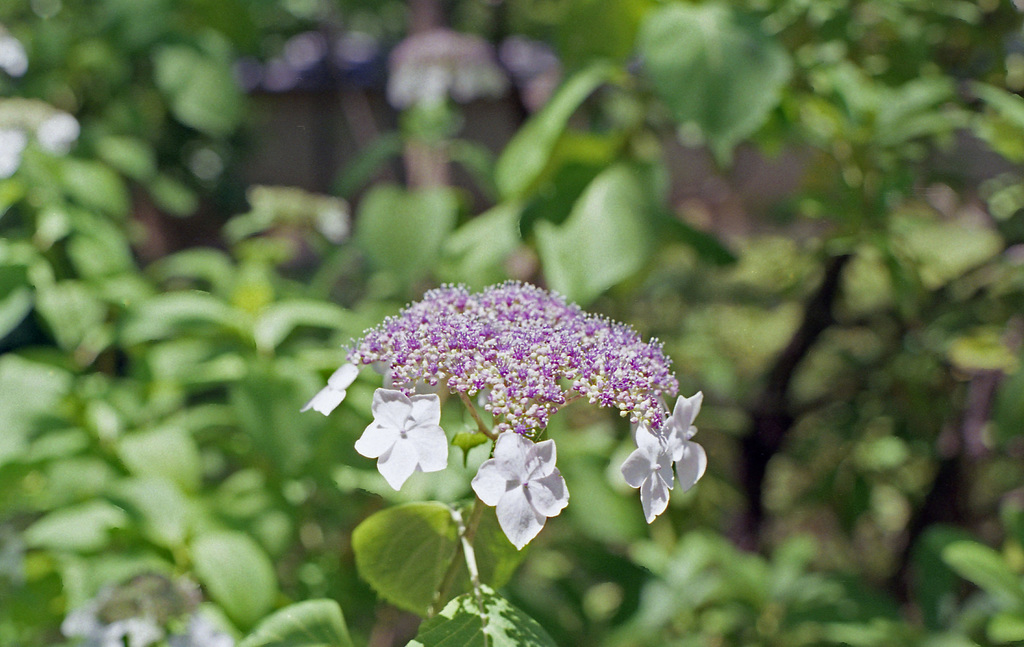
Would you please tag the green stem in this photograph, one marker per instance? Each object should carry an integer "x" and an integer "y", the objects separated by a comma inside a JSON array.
[
  {"x": 467, "y": 531},
  {"x": 476, "y": 416}
]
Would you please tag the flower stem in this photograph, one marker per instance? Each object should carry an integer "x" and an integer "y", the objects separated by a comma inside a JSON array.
[
  {"x": 476, "y": 416},
  {"x": 467, "y": 531}
]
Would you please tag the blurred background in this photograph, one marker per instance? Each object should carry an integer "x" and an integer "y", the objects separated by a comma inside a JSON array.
[{"x": 817, "y": 205}]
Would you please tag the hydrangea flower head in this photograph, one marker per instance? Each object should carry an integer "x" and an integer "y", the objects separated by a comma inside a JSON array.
[{"x": 527, "y": 349}]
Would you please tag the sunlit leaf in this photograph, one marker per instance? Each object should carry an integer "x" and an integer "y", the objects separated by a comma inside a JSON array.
[
  {"x": 487, "y": 621},
  {"x": 237, "y": 573},
  {"x": 714, "y": 71},
  {"x": 527, "y": 155},
  {"x": 314, "y": 623}
]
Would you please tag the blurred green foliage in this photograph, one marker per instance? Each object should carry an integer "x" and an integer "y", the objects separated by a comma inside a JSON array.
[{"x": 149, "y": 401}]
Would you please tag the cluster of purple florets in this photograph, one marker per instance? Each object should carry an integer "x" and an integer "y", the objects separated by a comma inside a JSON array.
[{"x": 525, "y": 349}]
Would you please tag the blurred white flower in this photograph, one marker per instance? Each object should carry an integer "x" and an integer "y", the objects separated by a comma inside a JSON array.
[
  {"x": 523, "y": 484},
  {"x": 12, "y": 143},
  {"x": 427, "y": 67},
  {"x": 328, "y": 398},
  {"x": 58, "y": 132},
  {"x": 201, "y": 633},
  {"x": 13, "y": 58},
  {"x": 405, "y": 436}
]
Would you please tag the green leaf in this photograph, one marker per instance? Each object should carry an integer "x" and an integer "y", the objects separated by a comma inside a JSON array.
[
  {"x": 133, "y": 157},
  {"x": 707, "y": 246},
  {"x": 599, "y": 29},
  {"x": 1003, "y": 129},
  {"x": 82, "y": 528},
  {"x": 30, "y": 390},
  {"x": 467, "y": 440},
  {"x": 314, "y": 623},
  {"x": 1006, "y": 627},
  {"x": 528, "y": 153},
  {"x": 237, "y": 573},
  {"x": 490, "y": 621},
  {"x": 475, "y": 253},
  {"x": 403, "y": 552},
  {"x": 166, "y": 315},
  {"x": 173, "y": 196},
  {"x": 367, "y": 162},
  {"x": 159, "y": 507},
  {"x": 402, "y": 231},
  {"x": 713, "y": 72},
  {"x": 200, "y": 88},
  {"x": 606, "y": 238},
  {"x": 167, "y": 452},
  {"x": 988, "y": 569},
  {"x": 15, "y": 297},
  {"x": 70, "y": 310},
  {"x": 94, "y": 185},
  {"x": 278, "y": 320}
]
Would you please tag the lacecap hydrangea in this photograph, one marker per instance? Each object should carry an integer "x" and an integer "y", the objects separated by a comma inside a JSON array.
[{"x": 520, "y": 353}]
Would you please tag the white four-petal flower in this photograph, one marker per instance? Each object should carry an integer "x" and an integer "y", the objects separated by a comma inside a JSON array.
[
  {"x": 649, "y": 467},
  {"x": 405, "y": 436},
  {"x": 328, "y": 398},
  {"x": 523, "y": 484},
  {"x": 690, "y": 459}
]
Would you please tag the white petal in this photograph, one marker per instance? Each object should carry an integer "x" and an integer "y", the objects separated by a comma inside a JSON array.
[
  {"x": 325, "y": 401},
  {"x": 390, "y": 408},
  {"x": 647, "y": 440},
  {"x": 513, "y": 454},
  {"x": 517, "y": 518},
  {"x": 431, "y": 447},
  {"x": 376, "y": 440},
  {"x": 654, "y": 498},
  {"x": 398, "y": 464},
  {"x": 636, "y": 468},
  {"x": 426, "y": 409},
  {"x": 685, "y": 412},
  {"x": 490, "y": 482},
  {"x": 344, "y": 376},
  {"x": 690, "y": 467},
  {"x": 548, "y": 495},
  {"x": 540, "y": 460}
]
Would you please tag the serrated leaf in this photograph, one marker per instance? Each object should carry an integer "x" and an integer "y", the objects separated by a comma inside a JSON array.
[
  {"x": 528, "y": 153},
  {"x": 403, "y": 552},
  {"x": 713, "y": 71},
  {"x": 987, "y": 569},
  {"x": 314, "y": 623},
  {"x": 237, "y": 573},
  {"x": 606, "y": 238},
  {"x": 487, "y": 621}
]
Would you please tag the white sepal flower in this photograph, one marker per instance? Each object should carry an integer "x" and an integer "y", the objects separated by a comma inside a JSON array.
[
  {"x": 328, "y": 398},
  {"x": 12, "y": 143},
  {"x": 523, "y": 484},
  {"x": 689, "y": 457},
  {"x": 405, "y": 436},
  {"x": 649, "y": 468}
]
